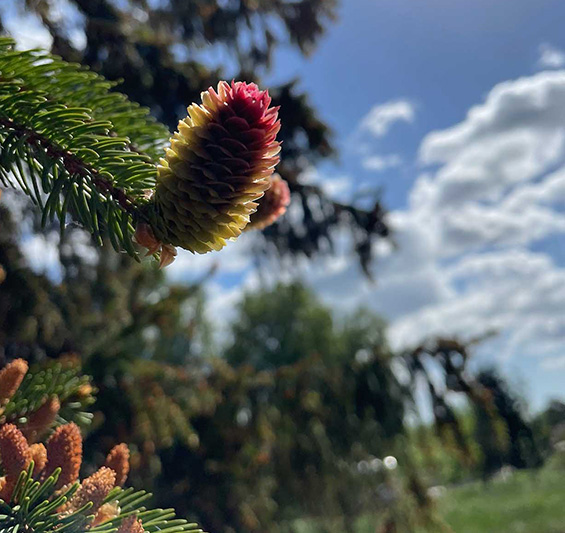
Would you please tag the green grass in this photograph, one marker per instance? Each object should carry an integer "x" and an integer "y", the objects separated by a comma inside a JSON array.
[{"x": 529, "y": 502}]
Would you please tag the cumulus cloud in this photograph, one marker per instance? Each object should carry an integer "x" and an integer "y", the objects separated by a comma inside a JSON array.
[
  {"x": 500, "y": 179},
  {"x": 550, "y": 56},
  {"x": 476, "y": 240},
  {"x": 515, "y": 293},
  {"x": 380, "y": 163},
  {"x": 497, "y": 192},
  {"x": 382, "y": 117},
  {"x": 517, "y": 134}
]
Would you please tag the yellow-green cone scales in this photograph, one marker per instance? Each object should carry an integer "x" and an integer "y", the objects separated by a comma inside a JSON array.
[{"x": 217, "y": 167}]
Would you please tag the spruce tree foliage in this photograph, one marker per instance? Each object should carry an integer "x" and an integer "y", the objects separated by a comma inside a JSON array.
[
  {"x": 36, "y": 507},
  {"x": 59, "y": 379},
  {"x": 37, "y": 500},
  {"x": 73, "y": 146}
]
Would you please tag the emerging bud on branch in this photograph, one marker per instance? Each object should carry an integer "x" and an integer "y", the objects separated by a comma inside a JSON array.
[
  {"x": 118, "y": 461},
  {"x": 64, "y": 450},
  {"x": 272, "y": 206},
  {"x": 15, "y": 456},
  {"x": 11, "y": 377},
  {"x": 39, "y": 458},
  {"x": 108, "y": 511},
  {"x": 218, "y": 165},
  {"x": 93, "y": 489},
  {"x": 41, "y": 420},
  {"x": 131, "y": 524},
  {"x": 145, "y": 237}
]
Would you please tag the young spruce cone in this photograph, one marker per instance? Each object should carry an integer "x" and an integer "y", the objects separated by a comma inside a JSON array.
[
  {"x": 217, "y": 167},
  {"x": 272, "y": 206}
]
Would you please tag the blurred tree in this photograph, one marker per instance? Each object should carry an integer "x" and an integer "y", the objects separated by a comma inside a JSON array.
[
  {"x": 519, "y": 449},
  {"x": 104, "y": 305},
  {"x": 440, "y": 365},
  {"x": 165, "y": 53},
  {"x": 246, "y": 449},
  {"x": 239, "y": 449},
  {"x": 31, "y": 323},
  {"x": 549, "y": 427},
  {"x": 501, "y": 432},
  {"x": 279, "y": 327}
]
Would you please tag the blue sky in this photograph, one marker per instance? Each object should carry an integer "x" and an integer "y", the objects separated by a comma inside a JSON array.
[
  {"x": 457, "y": 109},
  {"x": 443, "y": 55}
]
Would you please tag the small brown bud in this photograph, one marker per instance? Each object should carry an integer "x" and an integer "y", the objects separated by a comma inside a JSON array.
[
  {"x": 39, "y": 457},
  {"x": 40, "y": 421},
  {"x": 15, "y": 455},
  {"x": 11, "y": 377},
  {"x": 94, "y": 489},
  {"x": 64, "y": 450},
  {"x": 107, "y": 512},
  {"x": 118, "y": 461},
  {"x": 131, "y": 524}
]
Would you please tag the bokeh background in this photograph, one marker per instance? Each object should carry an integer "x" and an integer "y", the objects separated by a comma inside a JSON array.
[{"x": 388, "y": 356}]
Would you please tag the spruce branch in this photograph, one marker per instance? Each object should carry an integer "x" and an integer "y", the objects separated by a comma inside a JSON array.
[
  {"x": 40, "y": 488},
  {"x": 75, "y": 147},
  {"x": 71, "y": 162},
  {"x": 63, "y": 381},
  {"x": 79, "y": 150}
]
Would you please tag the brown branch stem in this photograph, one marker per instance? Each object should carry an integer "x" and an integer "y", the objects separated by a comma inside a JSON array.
[{"x": 73, "y": 164}]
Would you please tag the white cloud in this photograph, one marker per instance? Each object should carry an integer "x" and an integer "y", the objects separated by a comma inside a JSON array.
[
  {"x": 494, "y": 186},
  {"x": 554, "y": 363},
  {"x": 236, "y": 257},
  {"x": 25, "y": 28},
  {"x": 516, "y": 135},
  {"x": 517, "y": 293},
  {"x": 382, "y": 117},
  {"x": 338, "y": 187},
  {"x": 498, "y": 191},
  {"x": 379, "y": 163},
  {"x": 550, "y": 56}
]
